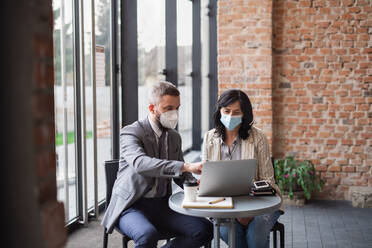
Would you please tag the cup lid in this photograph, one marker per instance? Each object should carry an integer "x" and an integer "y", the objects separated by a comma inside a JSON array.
[{"x": 190, "y": 183}]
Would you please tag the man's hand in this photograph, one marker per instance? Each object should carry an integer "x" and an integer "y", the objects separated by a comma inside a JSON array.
[
  {"x": 193, "y": 167},
  {"x": 245, "y": 221}
]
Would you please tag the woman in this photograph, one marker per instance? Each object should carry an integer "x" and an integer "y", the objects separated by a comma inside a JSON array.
[{"x": 234, "y": 137}]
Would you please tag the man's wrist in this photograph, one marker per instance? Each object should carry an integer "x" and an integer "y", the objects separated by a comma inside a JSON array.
[{"x": 184, "y": 167}]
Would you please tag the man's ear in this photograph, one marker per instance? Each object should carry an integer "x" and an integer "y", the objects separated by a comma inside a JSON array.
[{"x": 151, "y": 108}]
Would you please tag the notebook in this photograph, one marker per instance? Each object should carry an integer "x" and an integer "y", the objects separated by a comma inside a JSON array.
[{"x": 209, "y": 202}]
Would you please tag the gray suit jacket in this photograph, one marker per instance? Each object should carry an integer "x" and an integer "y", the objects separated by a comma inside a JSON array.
[{"x": 139, "y": 166}]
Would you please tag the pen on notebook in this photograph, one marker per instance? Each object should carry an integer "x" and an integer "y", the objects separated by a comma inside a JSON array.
[{"x": 216, "y": 201}]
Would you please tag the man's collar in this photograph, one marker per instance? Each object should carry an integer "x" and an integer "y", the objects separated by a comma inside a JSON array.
[{"x": 158, "y": 131}]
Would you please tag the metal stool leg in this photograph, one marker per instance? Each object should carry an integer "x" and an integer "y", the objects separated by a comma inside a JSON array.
[
  {"x": 232, "y": 233},
  {"x": 282, "y": 238},
  {"x": 216, "y": 230},
  {"x": 125, "y": 241},
  {"x": 105, "y": 238},
  {"x": 274, "y": 238}
]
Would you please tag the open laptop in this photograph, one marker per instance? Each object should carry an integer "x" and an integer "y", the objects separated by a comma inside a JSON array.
[{"x": 227, "y": 177}]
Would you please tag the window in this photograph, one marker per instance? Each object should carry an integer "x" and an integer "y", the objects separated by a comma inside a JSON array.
[
  {"x": 64, "y": 106},
  {"x": 151, "y": 49},
  {"x": 83, "y": 103},
  {"x": 184, "y": 50},
  {"x": 163, "y": 37}
]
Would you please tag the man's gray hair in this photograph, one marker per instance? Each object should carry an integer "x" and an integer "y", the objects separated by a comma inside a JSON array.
[{"x": 161, "y": 89}]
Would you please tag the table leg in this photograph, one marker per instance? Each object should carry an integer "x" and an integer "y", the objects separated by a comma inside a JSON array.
[
  {"x": 216, "y": 233},
  {"x": 232, "y": 233}
]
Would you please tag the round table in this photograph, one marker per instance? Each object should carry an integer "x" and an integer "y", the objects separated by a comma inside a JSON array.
[{"x": 244, "y": 206}]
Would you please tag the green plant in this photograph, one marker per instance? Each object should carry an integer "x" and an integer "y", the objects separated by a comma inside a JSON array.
[
  {"x": 292, "y": 175},
  {"x": 70, "y": 137}
]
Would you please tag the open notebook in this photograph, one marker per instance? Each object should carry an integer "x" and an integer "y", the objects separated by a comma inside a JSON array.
[{"x": 204, "y": 202}]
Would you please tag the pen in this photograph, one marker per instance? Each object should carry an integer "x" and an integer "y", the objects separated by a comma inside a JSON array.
[{"x": 216, "y": 201}]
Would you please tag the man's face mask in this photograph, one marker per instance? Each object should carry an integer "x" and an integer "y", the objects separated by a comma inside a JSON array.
[{"x": 169, "y": 119}]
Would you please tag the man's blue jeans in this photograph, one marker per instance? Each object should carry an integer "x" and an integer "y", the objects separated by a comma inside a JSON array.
[
  {"x": 256, "y": 235},
  {"x": 143, "y": 221}
]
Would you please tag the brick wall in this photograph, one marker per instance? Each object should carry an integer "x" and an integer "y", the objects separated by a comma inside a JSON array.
[
  {"x": 322, "y": 88},
  {"x": 321, "y": 80},
  {"x": 52, "y": 211},
  {"x": 244, "y": 53}
]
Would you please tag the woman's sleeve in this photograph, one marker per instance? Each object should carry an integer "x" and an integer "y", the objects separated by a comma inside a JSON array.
[
  {"x": 204, "y": 155},
  {"x": 265, "y": 167}
]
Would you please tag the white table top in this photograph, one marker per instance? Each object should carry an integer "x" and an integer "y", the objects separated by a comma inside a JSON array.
[{"x": 244, "y": 206}]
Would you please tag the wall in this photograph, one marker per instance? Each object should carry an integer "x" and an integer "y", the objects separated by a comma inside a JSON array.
[
  {"x": 322, "y": 88},
  {"x": 33, "y": 218},
  {"x": 52, "y": 212},
  {"x": 244, "y": 53},
  {"x": 321, "y": 81}
]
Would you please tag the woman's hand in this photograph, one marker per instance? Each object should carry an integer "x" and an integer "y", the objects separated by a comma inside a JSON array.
[{"x": 244, "y": 221}]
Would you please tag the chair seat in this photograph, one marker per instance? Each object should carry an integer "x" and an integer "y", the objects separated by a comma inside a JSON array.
[{"x": 278, "y": 226}]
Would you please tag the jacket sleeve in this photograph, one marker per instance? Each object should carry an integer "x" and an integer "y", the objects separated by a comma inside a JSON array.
[
  {"x": 132, "y": 151},
  {"x": 266, "y": 169},
  {"x": 204, "y": 155},
  {"x": 185, "y": 175}
]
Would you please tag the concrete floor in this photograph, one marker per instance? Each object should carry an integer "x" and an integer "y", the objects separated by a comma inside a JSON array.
[{"x": 317, "y": 224}]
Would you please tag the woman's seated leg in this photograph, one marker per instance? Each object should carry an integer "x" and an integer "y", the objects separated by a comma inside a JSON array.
[{"x": 258, "y": 231}]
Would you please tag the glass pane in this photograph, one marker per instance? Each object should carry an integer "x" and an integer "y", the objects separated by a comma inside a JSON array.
[
  {"x": 184, "y": 45},
  {"x": 88, "y": 101},
  {"x": 103, "y": 91},
  {"x": 103, "y": 95},
  {"x": 204, "y": 29},
  {"x": 151, "y": 48},
  {"x": 64, "y": 106}
]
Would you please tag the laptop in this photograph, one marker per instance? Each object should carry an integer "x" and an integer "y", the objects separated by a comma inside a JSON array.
[{"x": 227, "y": 177}]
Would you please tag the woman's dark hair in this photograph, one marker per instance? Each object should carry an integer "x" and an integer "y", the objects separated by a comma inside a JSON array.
[{"x": 227, "y": 98}]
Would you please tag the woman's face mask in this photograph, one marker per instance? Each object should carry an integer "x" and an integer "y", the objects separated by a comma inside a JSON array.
[{"x": 231, "y": 122}]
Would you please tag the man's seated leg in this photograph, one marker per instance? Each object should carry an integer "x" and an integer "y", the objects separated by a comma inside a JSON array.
[
  {"x": 135, "y": 225},
  {"x": 192, "y": 231}
]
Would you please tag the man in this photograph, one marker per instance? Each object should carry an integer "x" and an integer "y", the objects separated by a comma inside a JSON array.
[{"x": 150, "y": 156}]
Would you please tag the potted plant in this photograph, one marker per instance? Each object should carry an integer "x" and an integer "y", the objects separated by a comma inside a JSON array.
[{"x": 297, "y": 179}]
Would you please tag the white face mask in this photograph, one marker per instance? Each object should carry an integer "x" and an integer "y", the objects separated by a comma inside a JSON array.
[{"x": 169, "y": 119}]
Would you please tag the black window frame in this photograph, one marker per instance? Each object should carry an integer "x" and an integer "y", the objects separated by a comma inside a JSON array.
[{"x": 129, "y": 61}]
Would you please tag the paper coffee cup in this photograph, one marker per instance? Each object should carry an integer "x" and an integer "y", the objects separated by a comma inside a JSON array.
[{"x": 190, "y": 191}]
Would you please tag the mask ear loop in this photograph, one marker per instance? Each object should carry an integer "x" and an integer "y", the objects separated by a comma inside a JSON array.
[{"x": 251, "y": 123}]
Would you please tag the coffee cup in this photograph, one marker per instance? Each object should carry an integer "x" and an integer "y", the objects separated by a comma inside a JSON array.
[{"x": 190, "y": 191}]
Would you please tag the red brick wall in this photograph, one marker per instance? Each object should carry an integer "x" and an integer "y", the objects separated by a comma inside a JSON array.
[
  {"x": 321, "y": 80},
  {"x": 52, "y": 212},
  {"x": 322, "y": 88},
  {"x": 244, "y": 53}
]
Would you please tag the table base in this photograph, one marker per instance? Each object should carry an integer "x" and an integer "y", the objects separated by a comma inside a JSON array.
[{"x": 216, "y": 231}]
